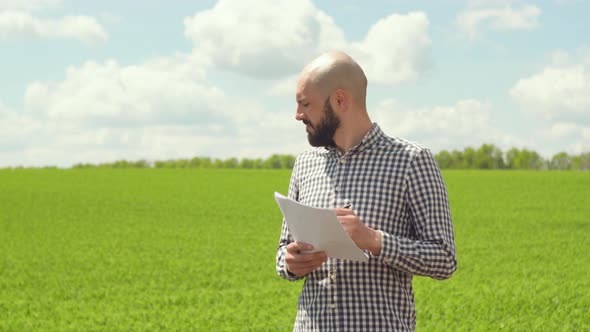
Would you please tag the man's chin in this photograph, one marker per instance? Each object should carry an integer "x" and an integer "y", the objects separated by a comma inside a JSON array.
[{"x": 311, "y": 140}]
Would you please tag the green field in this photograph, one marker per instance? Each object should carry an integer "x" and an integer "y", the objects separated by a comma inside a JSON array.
[{"x": 158, "y": 249}]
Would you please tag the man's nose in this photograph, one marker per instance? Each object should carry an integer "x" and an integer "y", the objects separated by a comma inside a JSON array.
[{"x": 299, "y": 116}]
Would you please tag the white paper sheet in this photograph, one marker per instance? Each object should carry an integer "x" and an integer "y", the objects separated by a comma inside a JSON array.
[{"x": 320, "y": 228}]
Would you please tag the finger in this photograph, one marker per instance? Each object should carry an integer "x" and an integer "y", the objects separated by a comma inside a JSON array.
[
  {"x": 302, "y": 268},
  {"x": 319, "y": 256},
  {"x": 306, "y": 258},
  {"x": 304, "y": 246},
  {"x": 347, "y": 220},
  {"x": 296, "y": 247},
  {"x": 343, "y": 212},
  {"x": 297, "y": 265}
]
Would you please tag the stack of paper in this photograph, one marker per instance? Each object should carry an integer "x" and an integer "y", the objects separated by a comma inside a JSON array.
[{"x": 320, "y": 228}]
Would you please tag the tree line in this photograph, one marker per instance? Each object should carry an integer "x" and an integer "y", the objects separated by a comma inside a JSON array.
[
  {"x": 489, "y": 156},
  {"x": 486, "y": 156},
  {"x": 275, "y": 161}
]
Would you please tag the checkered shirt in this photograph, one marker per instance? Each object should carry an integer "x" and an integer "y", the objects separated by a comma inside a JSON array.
[{"x": 394, "y": 186}]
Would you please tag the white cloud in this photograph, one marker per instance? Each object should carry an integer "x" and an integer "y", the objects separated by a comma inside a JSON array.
[
  {"x": 283, "y": 87},
  {"x": 165, "y": 90},
  {"x": 495, "y": 3},
  {"x": 396, "y": 49},
  {"x": 472, "y": 21},
  {"x": 558, "y": 92},
  {"x": 20, "y": 23},
  {"x": 16, "y": 130},
  {"x": 28, "y": 5},
  {"x": 162, "y": 108},
  {"x": 17, "y": 20},
  {"x": 274, "y": 39},
  {"x": 565, "y": 129},
  {"x": 574, "y": 137},
  {"x": 262, "y": 38},
  {"x": 467, "y": 123},
  {"x": 272, "y": 132},
  {"x": 34, "y": 141}
]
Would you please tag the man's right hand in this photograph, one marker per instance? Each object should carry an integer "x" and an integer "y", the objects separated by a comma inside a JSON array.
[{"x": 300, "y": 263}]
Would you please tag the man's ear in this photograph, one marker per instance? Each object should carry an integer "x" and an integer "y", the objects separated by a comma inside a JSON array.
[{"x": 342, "y": 100}]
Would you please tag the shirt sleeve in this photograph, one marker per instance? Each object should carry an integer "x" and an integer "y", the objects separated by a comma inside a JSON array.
[
  {"x": 286, "y": 237},
  {"x": 432, "y": 251}
]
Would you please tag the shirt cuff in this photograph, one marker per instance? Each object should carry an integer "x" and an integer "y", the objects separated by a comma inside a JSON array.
[
  {"x": 288, "y": 275},
  {"x": 389, "y": 249}
]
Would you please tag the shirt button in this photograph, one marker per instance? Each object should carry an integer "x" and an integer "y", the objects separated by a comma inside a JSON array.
[
  {"x": 387, "y": 260},
  {"x": 337, "y": 188},
  {"x": 343, "y": 161},
  {"x": 333, "y": 276},
  {"x": 332, "y": 306}
]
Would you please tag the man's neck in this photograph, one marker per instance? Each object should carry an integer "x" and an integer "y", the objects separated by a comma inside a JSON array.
[{"x": 350, "y": 136}]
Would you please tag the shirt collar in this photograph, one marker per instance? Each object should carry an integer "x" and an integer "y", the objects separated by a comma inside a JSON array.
[{"x": 370, "y": 140}]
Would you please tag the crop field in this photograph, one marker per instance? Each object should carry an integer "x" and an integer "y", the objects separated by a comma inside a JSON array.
[{"x": 194, "y": 250}]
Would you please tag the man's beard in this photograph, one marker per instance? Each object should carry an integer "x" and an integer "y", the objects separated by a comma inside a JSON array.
[{"x": 323, "y": 134}]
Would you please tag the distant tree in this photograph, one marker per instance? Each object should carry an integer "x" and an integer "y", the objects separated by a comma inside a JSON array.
[
  {"x": 273, "y": 161},
  {"x": 206, "y": 162},
  {"x": 532, "y": 159},
  {"x": 483, "y": 157},
  {"x": 581, "y": 162},
  {"x": 457, "y": 159},
  {"x": 83, "y": 165},
  {"x": 585, "y": 161},
  {"x": 444, "y": 159},
  {"x": 218, "y": 163},
  {"x": 231, "y": 163},
  {"x": 523, "y": 159},
  {"x": 159, "y": 164},
  {"x": 561, "y": 161},
  {"x": 195, "y": 162},
  {"x": 183, "y": 163},
  {"x": 469, "y": 157},
  {"x": 512, "y": 158},
  {"x": 488, "y": 157},
  {"x": 287, "y": 161},
  {"x": 247, "y": 163},
  {"x": 498, "y": 157},
  {"x": 140, "y": 164},
  {"x": 258, "y": 163},
  {"x": 121, "y": 164}
]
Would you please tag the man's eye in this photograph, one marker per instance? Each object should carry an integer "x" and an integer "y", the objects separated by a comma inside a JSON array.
[{"x": 305, "y": 105}]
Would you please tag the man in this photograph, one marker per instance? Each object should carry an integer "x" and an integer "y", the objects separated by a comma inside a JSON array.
[{"x": 399, "y": 211}]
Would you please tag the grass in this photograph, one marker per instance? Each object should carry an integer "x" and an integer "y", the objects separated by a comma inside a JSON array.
[
  {"x": 524, "y": 254},
  {"x": 157, "y": 249}
]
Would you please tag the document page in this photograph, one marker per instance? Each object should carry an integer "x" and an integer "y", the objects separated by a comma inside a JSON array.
[{"x": 320, "y": 228}]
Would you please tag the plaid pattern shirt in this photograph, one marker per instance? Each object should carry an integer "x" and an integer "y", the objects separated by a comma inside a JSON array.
[{"x": 394, "y": 186}]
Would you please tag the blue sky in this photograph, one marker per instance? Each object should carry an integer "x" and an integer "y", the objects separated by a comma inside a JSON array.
[{"x": 85, "y": 81}]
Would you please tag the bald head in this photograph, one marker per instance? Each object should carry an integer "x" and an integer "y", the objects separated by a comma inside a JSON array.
[{"x": 337, "y": 70}]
